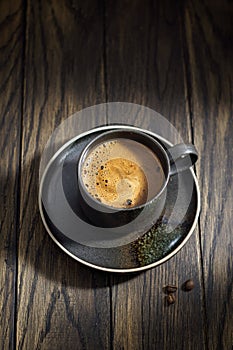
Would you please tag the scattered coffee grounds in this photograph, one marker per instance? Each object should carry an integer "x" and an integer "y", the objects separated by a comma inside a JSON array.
[
  {"x": 170, "y": 288},
  {"x": 171, "y": 299},
  {"x": 188, "y": 285}
]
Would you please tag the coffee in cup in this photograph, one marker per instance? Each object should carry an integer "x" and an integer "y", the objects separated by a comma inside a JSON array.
[
  {"x": 123, "y": 177},
  {"x": 122, "y": 173}
]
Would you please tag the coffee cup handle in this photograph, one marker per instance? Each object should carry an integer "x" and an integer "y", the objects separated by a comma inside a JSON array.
[{"x": 182, "y": 157}]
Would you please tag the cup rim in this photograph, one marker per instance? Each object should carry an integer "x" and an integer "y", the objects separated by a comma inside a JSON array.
[{"x": 85, "y": 152}]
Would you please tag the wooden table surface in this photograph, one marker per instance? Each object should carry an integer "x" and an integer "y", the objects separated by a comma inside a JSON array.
[{"x": 58, "y": 57}]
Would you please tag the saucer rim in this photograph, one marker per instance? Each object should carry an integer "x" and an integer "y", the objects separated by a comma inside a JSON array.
[{"x": 108, "y": 269}]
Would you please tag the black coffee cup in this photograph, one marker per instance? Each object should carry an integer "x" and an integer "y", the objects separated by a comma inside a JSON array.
[{"x": 140, "y": 217}]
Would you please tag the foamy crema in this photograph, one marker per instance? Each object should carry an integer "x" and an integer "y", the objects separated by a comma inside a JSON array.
[{"x": 122, "y": 173}]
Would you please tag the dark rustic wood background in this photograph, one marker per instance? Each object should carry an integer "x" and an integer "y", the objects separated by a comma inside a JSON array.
[{"x": 57, "y": 57}]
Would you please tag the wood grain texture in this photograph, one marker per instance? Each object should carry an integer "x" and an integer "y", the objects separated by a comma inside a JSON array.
[
  {"x": 61, "y": 304},
  {"x": 209, "y": 33},
  {"x": 11, "y": 48},
  {"x": 145, "y": 65},
  {"x": 57, "y": 57}
]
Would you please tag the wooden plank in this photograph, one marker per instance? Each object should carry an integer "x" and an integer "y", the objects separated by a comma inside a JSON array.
[
  {"x": 145, "y": 66},
  {"x": 11, "y": 49},
  {"x": 208, "y": 27},
  {"x": 62, "y": 305}
]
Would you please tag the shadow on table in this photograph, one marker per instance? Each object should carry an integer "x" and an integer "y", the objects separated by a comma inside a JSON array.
[{"x": 39, "y": 255}]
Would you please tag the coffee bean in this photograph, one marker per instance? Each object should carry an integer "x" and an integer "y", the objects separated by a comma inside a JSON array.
[
  {"x": 170, "y": 288},
  {"x": 188, "y": 285},
  {"x": 171, "y": 299}
]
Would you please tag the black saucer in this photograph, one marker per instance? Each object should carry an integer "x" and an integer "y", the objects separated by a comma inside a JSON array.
[{"x": 59, "y": 206}]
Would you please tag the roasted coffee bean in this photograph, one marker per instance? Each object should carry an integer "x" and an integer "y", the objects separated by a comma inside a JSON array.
[
  {"x": 170, "y": 288},
  {"x": 189, "y": 285},
  {"x": 171, "y": 299}
]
